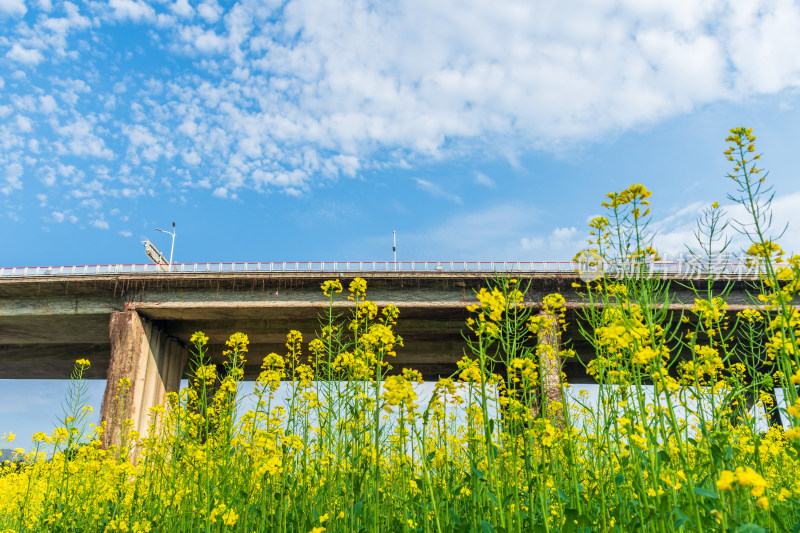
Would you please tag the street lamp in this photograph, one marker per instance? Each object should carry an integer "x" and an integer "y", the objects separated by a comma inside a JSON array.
[{"x": 172, "y": 249}]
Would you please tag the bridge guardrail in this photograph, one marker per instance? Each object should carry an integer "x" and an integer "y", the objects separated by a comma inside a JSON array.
[{"x": 680, "y": 269}]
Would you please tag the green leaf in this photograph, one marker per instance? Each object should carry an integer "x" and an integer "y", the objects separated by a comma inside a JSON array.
[
  {"x": 357, "y": 508},
  {"x": 486, "y": 527},
  {"x": 706, "y": 493},
  {"x": 750, "y": 528},
  {"x": 680, "y": 519}
]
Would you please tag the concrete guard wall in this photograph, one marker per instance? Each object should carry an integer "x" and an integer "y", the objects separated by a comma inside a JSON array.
[{"x": 153, "y": 363}]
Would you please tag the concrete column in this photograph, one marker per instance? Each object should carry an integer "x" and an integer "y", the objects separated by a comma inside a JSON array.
[
  {"x": 550, "y": 364},
  {"x": 153, "y": 362}
]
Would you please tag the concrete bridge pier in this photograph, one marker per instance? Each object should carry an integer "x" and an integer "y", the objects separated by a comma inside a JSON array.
[
  {"x": 151, "y": 361},
  {"x": 550, "y": 364}
]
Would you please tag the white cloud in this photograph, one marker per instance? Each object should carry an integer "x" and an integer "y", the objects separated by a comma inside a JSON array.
[
  {"x": 356, "y": 81},
  {"x": 99, "y": 224},
  {"x": 48, "y": 104},
  {"x": 135, "y": 10},
  {"x": 21, "y": 54},
  {"x": 92, "y": 203},
  {"x": 182, "y": 8},
  {"x": 191, "y": 158},
  {"x": 436, "y": 190},
  {"x": 206, "y": 41},
  {"x": 13, "y": 7},
  {"x": 280, "y": 95},
  {"x": 532, "y": 243},
  {"x": 220, "y": 192},
  {"x": 210, "y": 10},
  {"x": 24, "y": 124},
  {"x": 126, "y": 233},
  {"x": 11, "y": 182},
  {"x": 483, "y": 179},
  {"x": 563, "y": 234},
  {"x": 53, "y": 32},
  {"x": 560, "y": 245},
  {"x": 81, "y": 140}
]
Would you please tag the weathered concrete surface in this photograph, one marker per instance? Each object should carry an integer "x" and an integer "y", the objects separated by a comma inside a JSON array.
[
  {"x": 550, "y": 365},
  {"x": 145, "y": 365}
]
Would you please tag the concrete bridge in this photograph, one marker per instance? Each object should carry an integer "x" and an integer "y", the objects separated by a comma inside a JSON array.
[{"x": 135, "y": 321}]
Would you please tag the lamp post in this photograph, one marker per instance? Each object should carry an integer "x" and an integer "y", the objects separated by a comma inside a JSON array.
[
  {"x": 394, "y": 248},
  {"x": 172, "y": 249}
]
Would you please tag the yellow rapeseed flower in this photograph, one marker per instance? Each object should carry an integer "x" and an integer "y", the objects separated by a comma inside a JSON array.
[
  {"x": 357, "y": 288},
  {"x": 198, "y": 337},
  {"x": 747, "y": 477},
  {"x": 644, "y": 356},
  {"x": 237, "y": 343},
  {"x": 229, "y": 518},
  {"x": 794, "y": 410},
  {"x": 726, "y": 480},
  {"x": 332, "y": 285}
]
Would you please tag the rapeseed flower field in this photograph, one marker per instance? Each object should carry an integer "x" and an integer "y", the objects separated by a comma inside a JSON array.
[{"x": 670, "y": 443}]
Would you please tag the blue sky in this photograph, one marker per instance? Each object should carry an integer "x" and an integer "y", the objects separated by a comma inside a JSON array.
[{"x": 306, "y": 130}]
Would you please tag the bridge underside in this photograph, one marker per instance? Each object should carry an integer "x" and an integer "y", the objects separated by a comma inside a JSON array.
[{"x": 45, "y": 348}]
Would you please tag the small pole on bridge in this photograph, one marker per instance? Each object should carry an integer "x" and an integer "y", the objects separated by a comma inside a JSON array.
[
  {"x": 394, "y": 248},
  {"x": 172, "y": 249}
]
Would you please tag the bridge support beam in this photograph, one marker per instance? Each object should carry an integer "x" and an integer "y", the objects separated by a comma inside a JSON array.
[
  {"x": 549, "y": 352},
  {"x": 150, "y": 361}
]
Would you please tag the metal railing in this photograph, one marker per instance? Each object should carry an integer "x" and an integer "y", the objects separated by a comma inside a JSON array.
[{"x": 679, "y": 269}]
